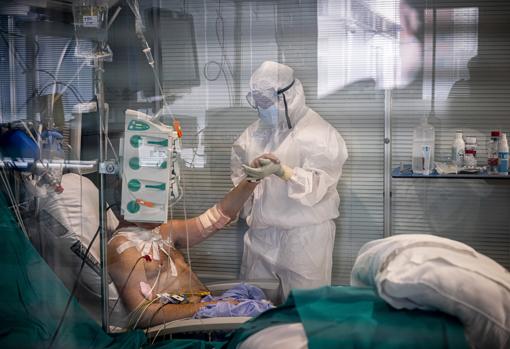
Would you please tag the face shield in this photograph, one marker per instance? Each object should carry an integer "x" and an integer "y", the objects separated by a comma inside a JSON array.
[{"x": 266, "y": 103}]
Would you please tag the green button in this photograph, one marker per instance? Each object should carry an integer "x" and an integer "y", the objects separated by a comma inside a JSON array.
[
  {"x": 134, "y": 163},
  {"x": 133, "y": 207},
  {"x": 161, "y": 186},
  {"x": 136, "y": 141},
  {"x": 163, "y": 143},
  {"x": 134, "y": 185},
  {"x": 137, "y": 125},
  {"x": 163, "y": 165}
]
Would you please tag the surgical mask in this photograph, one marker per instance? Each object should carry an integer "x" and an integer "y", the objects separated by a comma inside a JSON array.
[{"x": 269, "y": 116}]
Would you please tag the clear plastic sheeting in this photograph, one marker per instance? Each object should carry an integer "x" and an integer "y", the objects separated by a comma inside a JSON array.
[{"x": 123, "y": 115}]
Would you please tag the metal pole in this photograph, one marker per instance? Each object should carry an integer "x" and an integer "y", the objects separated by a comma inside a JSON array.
[
  {"x": 12, "y": 66},
  {"x": 238, "y": 54},
  {"x": 387, "y": 163},
  {"x": 434, "y": 48},
  {"x": 99, "y": 92}
]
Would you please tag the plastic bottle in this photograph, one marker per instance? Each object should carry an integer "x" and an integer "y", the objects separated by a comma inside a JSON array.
[
  {"x": 423, "y": 148},
  {"x": 471, "y": 143},
  {"x": 503, "y": 155},
  {"x": 458, "y": 149},
  {"x": 492, "y": 153},
  {"x": 470, "y": 159}
]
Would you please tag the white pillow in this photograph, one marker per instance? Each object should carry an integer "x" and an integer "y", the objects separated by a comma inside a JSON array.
[
  {"x": 77, "y": 209},
  {"x": 433, "y": 273}
]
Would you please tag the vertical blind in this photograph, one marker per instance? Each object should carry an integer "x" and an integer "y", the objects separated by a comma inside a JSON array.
[
  {"x": 345, "y": 55},
  {"x": 291, "y": 32},
  {"x": 50, "y": 67}
]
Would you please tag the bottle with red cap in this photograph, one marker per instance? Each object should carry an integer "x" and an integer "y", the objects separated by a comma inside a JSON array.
[
  {"x": 492, "y": 153},
  {"x": 503, "y": 155}
]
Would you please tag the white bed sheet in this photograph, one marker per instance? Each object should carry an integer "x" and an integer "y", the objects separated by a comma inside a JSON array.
[{"x": 289, "y": 336}]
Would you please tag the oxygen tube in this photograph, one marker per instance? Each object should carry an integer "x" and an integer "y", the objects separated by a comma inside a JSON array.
[{"x": 139, "y": 29}]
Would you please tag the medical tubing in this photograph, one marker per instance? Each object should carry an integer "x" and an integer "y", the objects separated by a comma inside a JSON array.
[
  {"x": 81, "y": 205},
  {"x": 12, "y": 198},
  {"x": 144, "y": 310},
  {"x": 60, "y": 60},
  {"x": 170, "y": 234},
  {"x": 220, "y": 36},
  {"x": 20, "y": 62},
  {"x": 144, "y": 303},
  {"x": 135, "y": 311},
  {"x": 157, "y": 279},
  {"x": 10, "y": 194},
  {"x": 154, "y": 315},
  {"x": 75, "y": 287},
  {"x": 125, "y": 283},
  {"x": 159, "y": 331},
  {"x": 187, "y": 231},
  {"x": 75, "y": 76},
  {"x": 139, "y": 29}
]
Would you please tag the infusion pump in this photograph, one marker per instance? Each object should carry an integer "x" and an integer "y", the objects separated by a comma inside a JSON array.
[{"x": 150, "y": 170}]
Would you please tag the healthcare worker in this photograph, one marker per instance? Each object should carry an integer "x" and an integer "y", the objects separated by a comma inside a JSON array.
[{"x": 297, "y": 157}]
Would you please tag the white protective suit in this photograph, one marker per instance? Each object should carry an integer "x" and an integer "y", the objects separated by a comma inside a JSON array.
[{"x": 291, "y": 230}]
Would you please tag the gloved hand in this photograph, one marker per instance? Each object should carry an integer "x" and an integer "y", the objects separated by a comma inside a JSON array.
[{"x": 267, "y": 165}]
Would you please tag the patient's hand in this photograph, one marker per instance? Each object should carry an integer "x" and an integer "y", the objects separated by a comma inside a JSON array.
[{"x": 194, "y": 299}]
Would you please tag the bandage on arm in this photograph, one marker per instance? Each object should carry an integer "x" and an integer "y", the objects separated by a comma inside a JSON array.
[
  {"x": 212, "y": 220},
  {"x": 192, "y": 231}
]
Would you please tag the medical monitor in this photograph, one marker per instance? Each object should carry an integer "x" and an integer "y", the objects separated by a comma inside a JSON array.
[{"x": 174, "y": 46}]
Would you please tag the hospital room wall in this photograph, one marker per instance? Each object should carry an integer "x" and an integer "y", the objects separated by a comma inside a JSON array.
[
  {"x": 305, "y": 35},
  {"x": 285, "y": 31},
  {"x": 36, "y": 65},
  {"x": 474, "y": 100},
  {"x": 471, "y": 211}
]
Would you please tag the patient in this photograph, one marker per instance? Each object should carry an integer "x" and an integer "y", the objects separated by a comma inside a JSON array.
[{"x": 148, "y": 269}]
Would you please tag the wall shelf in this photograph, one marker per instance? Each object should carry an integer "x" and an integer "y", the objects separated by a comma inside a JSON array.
[{"x": 408, "y": 173}]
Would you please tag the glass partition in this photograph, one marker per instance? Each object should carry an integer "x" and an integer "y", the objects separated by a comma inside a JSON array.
[{"x": 125, "y": 114}]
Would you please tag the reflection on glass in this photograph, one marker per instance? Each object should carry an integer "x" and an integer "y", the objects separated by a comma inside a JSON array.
[
  {"x": 361, "y": 40},
  {"x": 446, "y": 55}
]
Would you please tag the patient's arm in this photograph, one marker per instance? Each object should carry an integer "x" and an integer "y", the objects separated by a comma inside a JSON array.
[
  {"x": 227, "y": 209},
  {"x": 127, "y": 271}
]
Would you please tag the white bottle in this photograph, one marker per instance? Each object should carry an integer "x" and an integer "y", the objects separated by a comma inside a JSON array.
[
  {"x": 423, "y": 148},
  {"x": 458, "y": 149},
  {"x": 503, "y": 155},
  {"x": 492, "y": 153}
]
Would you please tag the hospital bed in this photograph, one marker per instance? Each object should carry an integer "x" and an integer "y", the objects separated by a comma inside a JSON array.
[
  {"x": 33, "y": 299},
  {"x": 62, "y": 243},
  {"x": 218, "y": 327},
  {"x": 46, "y": 234},
  {"x": 298, "y": 320}
]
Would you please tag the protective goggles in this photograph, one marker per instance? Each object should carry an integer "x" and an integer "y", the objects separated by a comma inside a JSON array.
[
  {"x": 265, "y": 98},
  {"x": 262, "y": 98}
]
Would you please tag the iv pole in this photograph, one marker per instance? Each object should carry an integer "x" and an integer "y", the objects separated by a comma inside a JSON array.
[
  {"x": 99, "y": 93},
  {"x": 98, "y": 61}
]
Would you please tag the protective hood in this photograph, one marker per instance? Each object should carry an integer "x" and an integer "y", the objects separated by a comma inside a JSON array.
[{"x": 279, "y": 77}]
